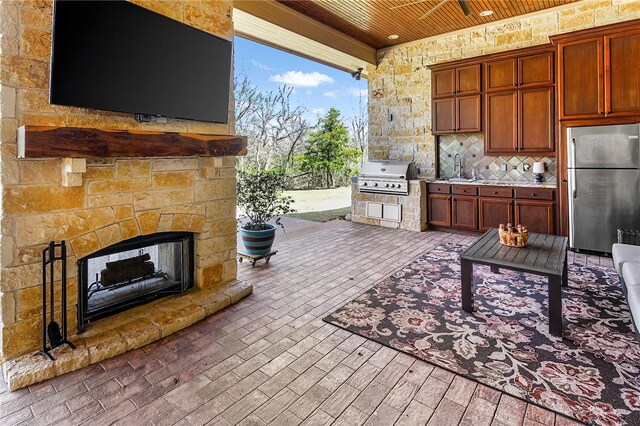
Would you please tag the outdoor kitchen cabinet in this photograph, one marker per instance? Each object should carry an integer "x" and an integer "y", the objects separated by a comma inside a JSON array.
[
  {"x": 460, "y": 114},
  {"x": 456, "y": 103},
  {"x": 456, "y": 81},
  {"x": 439, "y": 206},
  {"x": 537, "y": 215},
  {"x": 520, "y": 122},
  {"x": 598, "y": 73},
  {"x": 478, "y": 208},
  {"x": 520, "y": 117},
  {"x": 464, "y": 211},
  {"x": 535, "y": 208},
  {"x": 494, "y": 211},
  {"x": 519, "y": 72}
]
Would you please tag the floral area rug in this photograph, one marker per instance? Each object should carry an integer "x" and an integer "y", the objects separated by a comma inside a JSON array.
[{"x": 591, "y": 374}]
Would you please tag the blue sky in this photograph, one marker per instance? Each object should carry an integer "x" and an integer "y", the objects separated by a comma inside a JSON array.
[{"x": 317, "y": 86}]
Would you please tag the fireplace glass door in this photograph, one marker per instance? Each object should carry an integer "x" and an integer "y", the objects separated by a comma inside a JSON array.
[{"x": 133, "y": 272}]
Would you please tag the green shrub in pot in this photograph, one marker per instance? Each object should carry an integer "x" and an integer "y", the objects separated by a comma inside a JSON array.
[{"x": 260, "y": 198}]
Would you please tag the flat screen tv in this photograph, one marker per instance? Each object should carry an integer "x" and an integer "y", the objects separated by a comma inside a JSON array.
[{"x": 117, "y": 56}]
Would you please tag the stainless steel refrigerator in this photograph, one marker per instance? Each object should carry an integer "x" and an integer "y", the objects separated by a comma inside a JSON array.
[{"x": 603, "y": 164}]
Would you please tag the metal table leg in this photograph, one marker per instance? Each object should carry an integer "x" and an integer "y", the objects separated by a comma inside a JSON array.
[
  {"x": 555, "y": 305},
  {"x": 467, "y": 284}
]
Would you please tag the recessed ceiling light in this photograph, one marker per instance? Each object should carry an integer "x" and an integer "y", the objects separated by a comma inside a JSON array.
[
  {"x": 486, "y": 13},
  {"x": 393, "y": 36}
]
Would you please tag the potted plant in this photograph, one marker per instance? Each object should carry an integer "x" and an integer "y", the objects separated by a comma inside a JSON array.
[{"x": 260, "y": 199}]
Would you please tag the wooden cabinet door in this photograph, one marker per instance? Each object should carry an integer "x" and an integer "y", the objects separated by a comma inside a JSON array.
[
  {"x": 468, "y": 80},
  {"x": 444, "y": 116},
  {"x": 468, "y": 114},
  {"x": 464, "y": 212},
  {"x": 440, "y": 210},
  {"x": 536, "y": 121},
  {"x": 501, "y": 123},
  {"x": 443, "y": 83},
  {"x": 538, "y": 216},
  {"x": 581, "y": 78},
  {"x": 535, "y": 70},
  {"x": 494, "y": 211},
  {"x": 501, "y": 75},
  {"x": 622, "y": 75}
]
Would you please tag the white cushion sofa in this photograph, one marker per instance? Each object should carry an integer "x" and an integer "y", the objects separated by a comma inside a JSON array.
[{"x": 626, "y": 259}]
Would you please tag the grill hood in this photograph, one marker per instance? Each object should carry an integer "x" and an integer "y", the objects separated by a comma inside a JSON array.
[{"x": 388, "y": 169}]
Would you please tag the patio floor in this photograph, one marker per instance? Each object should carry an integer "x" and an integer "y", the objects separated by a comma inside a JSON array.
[{"x": 271, "y": 359}]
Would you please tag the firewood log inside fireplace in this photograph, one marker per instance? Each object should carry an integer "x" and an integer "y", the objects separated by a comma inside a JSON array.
[{"x": 122, "y": 271}]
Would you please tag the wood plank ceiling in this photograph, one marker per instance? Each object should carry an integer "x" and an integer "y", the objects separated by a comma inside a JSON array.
[{"x": 373, "y": 21}]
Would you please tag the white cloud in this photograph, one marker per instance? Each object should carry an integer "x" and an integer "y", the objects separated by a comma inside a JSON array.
[
  {"x": 260, "y": 65},
  {"x": 301, "y": 79},
  {"x": 357, "y": 92},
  {"x": 331, "y": 94},
  {"x": 318, "y": 111}
]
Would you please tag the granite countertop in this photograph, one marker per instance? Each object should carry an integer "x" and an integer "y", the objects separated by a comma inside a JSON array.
[{"x": 527, "y": 184}]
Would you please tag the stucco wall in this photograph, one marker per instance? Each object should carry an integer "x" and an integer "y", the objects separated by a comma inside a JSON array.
[{"x": 401, "y": 84}]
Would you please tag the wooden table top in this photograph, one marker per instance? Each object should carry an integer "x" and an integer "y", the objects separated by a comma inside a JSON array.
[{"x": 544, "y": 254}]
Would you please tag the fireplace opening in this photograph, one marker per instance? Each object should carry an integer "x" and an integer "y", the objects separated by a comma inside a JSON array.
[{"x": 133, "y": 272}]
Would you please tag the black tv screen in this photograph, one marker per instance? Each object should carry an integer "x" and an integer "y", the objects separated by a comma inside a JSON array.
[{"x": 117, "y": 56}]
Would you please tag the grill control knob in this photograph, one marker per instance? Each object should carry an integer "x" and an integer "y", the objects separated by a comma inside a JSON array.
[
  {"x": 393, "y": 185},
  {"x": 375, "y": 184},
  {"x": 387, "y": 185},
  {"x": 364, "y": 184}
]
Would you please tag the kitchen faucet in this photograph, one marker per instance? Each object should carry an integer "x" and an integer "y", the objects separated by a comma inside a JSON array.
[{"x": 457, "y": 164}]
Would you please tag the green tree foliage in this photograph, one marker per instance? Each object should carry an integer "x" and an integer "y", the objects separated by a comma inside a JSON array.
[{"x": 329, "y": 157}]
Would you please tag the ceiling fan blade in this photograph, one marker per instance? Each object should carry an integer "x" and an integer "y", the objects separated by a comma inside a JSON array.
[
  {"x": 436, "y": 7},
  {"x": 407, "y": 4},
  {"x": 464, "y": 5}
]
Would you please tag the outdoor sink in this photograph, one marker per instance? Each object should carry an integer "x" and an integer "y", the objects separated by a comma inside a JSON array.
[{"x": 460, "y": 179}]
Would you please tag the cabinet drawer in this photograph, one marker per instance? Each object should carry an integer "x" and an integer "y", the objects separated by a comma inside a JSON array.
[
  {"x": 535, "y": 193},
  {"x": 439, "y": 188},
  {"x": 464, "y": 190},
  {"x": 493, "y": 191}
]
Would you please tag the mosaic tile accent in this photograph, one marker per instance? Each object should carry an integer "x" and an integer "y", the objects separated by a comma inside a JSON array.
[{"x": 471, "y": 147}]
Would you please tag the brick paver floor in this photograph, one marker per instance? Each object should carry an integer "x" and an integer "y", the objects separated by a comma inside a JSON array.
[{"x": 270, "y": 359}]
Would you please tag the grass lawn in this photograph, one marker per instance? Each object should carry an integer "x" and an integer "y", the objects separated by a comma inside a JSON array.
[
  {"x": 320, "y": 199},
  {"x": 322, "y": 216}
]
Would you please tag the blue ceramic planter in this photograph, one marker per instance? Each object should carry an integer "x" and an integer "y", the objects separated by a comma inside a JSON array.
[{"x": 257, "y": 243}]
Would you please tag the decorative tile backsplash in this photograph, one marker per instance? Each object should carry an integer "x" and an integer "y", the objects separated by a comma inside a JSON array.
[{"x": 471, "y": 147}]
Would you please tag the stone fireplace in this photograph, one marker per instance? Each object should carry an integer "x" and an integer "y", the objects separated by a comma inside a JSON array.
[
  {"x": 100, "y": 204},
  {"x": 133, "y": 272}
]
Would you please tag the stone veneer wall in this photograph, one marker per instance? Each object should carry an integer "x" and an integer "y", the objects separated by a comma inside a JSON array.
[
  {"x": 414, "y": 206},
  {"x": 119, "y": 198},
  {"x": 401, "y": 84}
]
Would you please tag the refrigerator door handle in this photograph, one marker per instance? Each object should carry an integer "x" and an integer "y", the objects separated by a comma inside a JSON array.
[
  {"x": 574, "y": 189},
  {"x": 573, "y": 153}
]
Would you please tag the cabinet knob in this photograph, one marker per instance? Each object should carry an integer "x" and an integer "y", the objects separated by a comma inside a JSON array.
[
  {"x": 495, "y": 192},
  {"x": 533, "y": 194}
]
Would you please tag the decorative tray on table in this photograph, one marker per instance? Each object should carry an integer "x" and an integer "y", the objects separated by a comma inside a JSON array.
[{"x": 513, "y": 236}]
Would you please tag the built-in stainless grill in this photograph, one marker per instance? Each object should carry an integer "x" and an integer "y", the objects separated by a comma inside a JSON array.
[{"x": 386, "y": 177}]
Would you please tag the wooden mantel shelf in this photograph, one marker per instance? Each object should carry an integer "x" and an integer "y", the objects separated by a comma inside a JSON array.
[{"x": 79, "y": 142}]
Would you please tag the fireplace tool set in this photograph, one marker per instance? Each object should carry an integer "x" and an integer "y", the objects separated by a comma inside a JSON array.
[{"x": 53, "y": 332}]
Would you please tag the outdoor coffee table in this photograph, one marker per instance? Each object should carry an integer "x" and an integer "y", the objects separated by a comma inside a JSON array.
[{"x": 544, "y": 255}]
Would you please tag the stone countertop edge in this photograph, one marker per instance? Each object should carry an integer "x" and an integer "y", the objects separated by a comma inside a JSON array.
[{"x": 480, "y": 182}]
